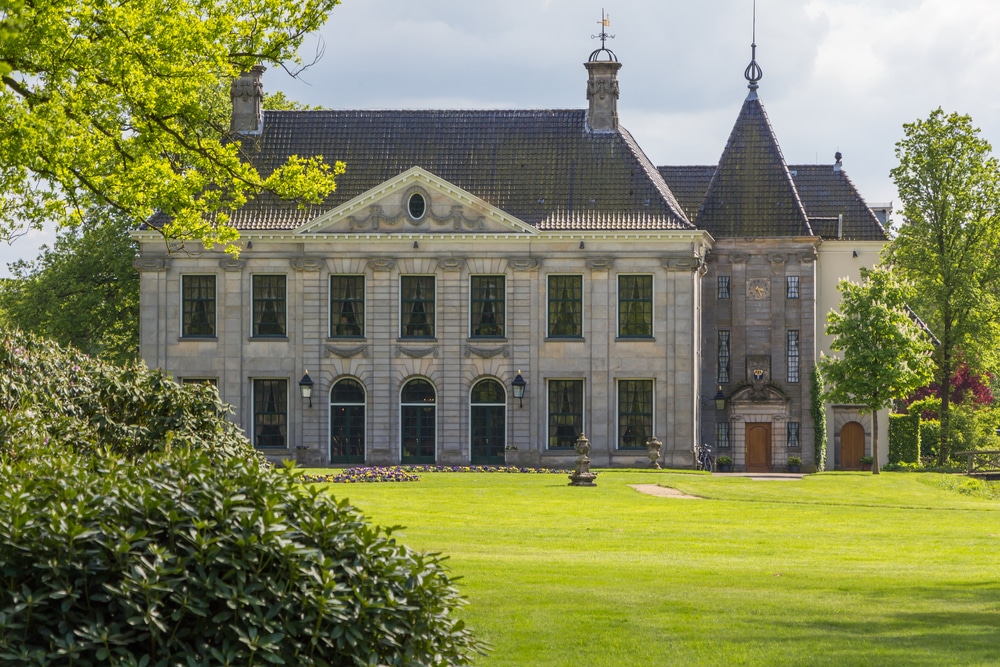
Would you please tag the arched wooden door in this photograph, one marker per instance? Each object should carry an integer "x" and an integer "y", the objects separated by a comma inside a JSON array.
[
  {"x": 758, "y": 447},
  {"x": 852, "y": 446}
]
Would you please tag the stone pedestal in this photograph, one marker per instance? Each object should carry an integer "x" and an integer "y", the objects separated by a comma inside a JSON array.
[
  {"x": 653, "y": 447},
  {"x": 582, "y": 475}
]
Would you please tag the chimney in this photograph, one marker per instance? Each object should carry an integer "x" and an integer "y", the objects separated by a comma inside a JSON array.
[
  {"x": 602, "y": 92},
  {"x": 839, "y": 164},
  {"x": 247, "y": 94}
]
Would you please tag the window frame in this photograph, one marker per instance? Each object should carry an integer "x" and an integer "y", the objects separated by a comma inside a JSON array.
[
  {"x": 473, "y": 405},
  {"x": 792, "y": 287},
  {"x": 363, "y": 300},
  {"x": 432, "y": 301},
  {"x": 623, "y": 416},
  {"x": 550, "y": 301},
  {"x": 793, "y": 435},
  {"x": 255, "y": 413},
  {"x": 255, "y": 300},
  {"x": 185, "y": 300},
  {"x": 723, "y": 286},
  {"x": 723, "y": 436},
  {"x": 418, "y": 458},
  {"x": 473, "y": 301},
  {"x": 792, "y": 355},
  {"x": 649, "y": 301},
  {"x": 550, "y": 414},
  {"x": 724, "y": 356}
]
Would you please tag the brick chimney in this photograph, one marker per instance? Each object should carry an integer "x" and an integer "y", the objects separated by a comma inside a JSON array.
[
  {"x": 602, "y": 92},
  {"x": 247, "y": 94}
]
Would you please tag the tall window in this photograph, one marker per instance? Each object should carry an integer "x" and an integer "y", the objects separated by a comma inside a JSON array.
[
  {"x": 416, "y": 298},
  {"x": 489, "y": 422},
  {"x": 722, "y": 289},
  {"x": 635, "y": 413},
  {"x": 635, "y": 306},
  {"x": 198, "y": 312},
  {"x": 347, "y": 306},
  {"x": 347, "y": 422},
  {"x": 270, "y": 414},
  {"x": 269, "y": 306},
  {"x": 487, "y": 296},
  {"x": 723, "y": 357},
  {"x": 565, "y": 413},
  {"x": 565, "y": 306},
  {"x": 793, "y": 434},
  {"x": 418, "y": 419},
  {"x": 791, "y": 287},
  {"x": 722, "y": 435},
  {"x": 792, "y": 338}
]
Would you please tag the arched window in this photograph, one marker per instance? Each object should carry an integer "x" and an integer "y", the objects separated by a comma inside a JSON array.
[
  {"x": 418, "y": 418},
  {"x": 347, "y": 422},
  {"x": 489, "y": 422}
]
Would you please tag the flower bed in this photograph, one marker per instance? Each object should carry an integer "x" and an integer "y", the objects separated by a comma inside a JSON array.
[{"x": 362, "y": 474}]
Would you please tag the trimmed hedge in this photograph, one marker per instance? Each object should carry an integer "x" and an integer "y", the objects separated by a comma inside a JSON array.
[
  {"x": 904, "y": 439},
  {"x": 180, "y": 559},
  {"x": 930, "y": 437},
  {"x": 51, "y": 393}
]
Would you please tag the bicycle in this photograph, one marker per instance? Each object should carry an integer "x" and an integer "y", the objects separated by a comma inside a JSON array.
[{"x": 704, "y": 459}]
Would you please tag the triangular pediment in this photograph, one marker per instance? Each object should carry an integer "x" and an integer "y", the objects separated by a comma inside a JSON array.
[{"x": 416, "y": 202}]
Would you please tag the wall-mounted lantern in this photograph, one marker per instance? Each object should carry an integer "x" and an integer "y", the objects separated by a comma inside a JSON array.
[
  {"x": 518, "y": 385},
  {"x": 306, "y": 388},
  {"x": 720, "y": 399}
]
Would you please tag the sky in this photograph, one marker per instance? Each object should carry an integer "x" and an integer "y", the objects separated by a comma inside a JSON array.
[{"x": 839, "y": 75}]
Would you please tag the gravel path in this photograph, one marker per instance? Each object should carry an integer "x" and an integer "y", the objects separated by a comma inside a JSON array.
[{"x": 662, "y": 491}]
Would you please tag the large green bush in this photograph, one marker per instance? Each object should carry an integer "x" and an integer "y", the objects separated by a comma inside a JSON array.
[
  {"x": 904, "y": 438},
  {"x": 930, "y": 437},
  {"x": 51, "y": 393},
  {"x": 181, "y": 559}
]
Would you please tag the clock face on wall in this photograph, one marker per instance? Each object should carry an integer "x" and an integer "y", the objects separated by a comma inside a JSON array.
[{"x": 758, "y": 289}]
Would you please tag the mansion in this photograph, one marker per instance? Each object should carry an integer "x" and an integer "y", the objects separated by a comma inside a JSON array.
[{"x": 488, "y": 285}]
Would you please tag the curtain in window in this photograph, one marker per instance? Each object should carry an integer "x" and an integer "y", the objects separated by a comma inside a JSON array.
[
  {"x": 347, "y": 305},
  {"x": 566, "y": 305},
  {"x": 635, "y": 306},
  {"x": 565, "y": 413},
  {"x": 635, "y": 413},
  {"x": 723, "y": 357},
  {"x": 417, "y": 305},
  {"x": 487, "y": 305},
  {"x": 269, "y": 305},
  {"x": 199, "y": 306},
  {"x": 270, "y": 408}
]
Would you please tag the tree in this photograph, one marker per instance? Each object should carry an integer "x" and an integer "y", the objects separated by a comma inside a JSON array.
[
  {"x": 885, "y": 353},
  {"x": 949, "y": 244},
  {"x": 82, "y": 292},
  {"x": 126, "y": 105}
]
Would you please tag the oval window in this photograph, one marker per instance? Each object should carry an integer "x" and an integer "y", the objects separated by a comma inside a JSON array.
[{"x": 417, "y": 206}]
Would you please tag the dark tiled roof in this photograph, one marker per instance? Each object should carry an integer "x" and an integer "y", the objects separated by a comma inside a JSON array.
[
  {"x": 542, "y": 167},
  {"x": 824, "y": 193},
  {"x": 828, "y": 194},
  {"x": 751, "y": 193}
]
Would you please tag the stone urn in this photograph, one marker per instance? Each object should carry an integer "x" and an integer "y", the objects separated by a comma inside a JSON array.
[
  {"x": 582, "y": 475},
  {"x": 653, "y": 447}
]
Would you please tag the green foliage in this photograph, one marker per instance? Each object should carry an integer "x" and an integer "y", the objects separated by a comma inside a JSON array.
[
  {"x": 885, "y": 354},
  {"x": 127, "y": 105},
  {"x": 83, "y": 292},
  {"x": 949, "y": 245},
  {"x": 818, "y": 412},
  {"x": 181, "y": 559},
  {"x": 794, "y": 461},
  {"x": 930, "y": 437},
  {"x": 48, "y": 393},
  {"x": 904, "y": 438},
  {"x": 974, "y": 427}
]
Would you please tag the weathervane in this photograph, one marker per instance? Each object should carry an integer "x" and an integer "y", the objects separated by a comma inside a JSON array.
[
  {"x": 605, "y": 22},
  {"x": 753, "y": 72}
]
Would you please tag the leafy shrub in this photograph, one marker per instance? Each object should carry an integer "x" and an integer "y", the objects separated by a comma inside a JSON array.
[
  {"x": 51, "y": 393},
  {"x": 818, "y": 411},
  {"x": 904, "y": 438},
  {"x": 182, "y": 559},
  {"x": 930, "y": 437}
]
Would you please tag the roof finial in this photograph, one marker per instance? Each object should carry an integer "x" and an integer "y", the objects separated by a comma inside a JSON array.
[
  {"x": 753, "y": 72},
  {"x": 603, "y": 36}
]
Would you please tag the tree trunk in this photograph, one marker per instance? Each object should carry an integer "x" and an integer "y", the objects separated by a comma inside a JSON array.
[{"x": 875, "y": 470}]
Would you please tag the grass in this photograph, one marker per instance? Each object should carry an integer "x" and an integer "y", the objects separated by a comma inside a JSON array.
[{"x": 835, "y": 569}]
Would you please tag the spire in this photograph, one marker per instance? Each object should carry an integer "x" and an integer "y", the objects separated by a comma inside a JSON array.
[
  {"x": 753, "y": 73},
  {"x": 602, "y": 85}
]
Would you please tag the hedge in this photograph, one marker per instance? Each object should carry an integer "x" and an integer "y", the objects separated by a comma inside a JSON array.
[{"x": 904, "y": 439}]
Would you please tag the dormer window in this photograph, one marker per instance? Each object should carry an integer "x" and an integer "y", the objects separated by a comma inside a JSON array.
[{"x": 416, "y": 206}]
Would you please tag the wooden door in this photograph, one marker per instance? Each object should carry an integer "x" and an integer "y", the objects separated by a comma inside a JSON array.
[
  {"x": 758, "y": 448},
  {"x": 852, "y": 446}
]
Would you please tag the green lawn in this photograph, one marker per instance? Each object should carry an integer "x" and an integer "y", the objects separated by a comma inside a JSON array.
[{"x": 835, "y": 569}]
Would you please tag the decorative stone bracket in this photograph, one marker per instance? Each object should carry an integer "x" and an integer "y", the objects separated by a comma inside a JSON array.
[
  {"x": 347, "y": 352},
  {"x": 486, "y": 353},
  {"x": 416, "y": 353}
]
